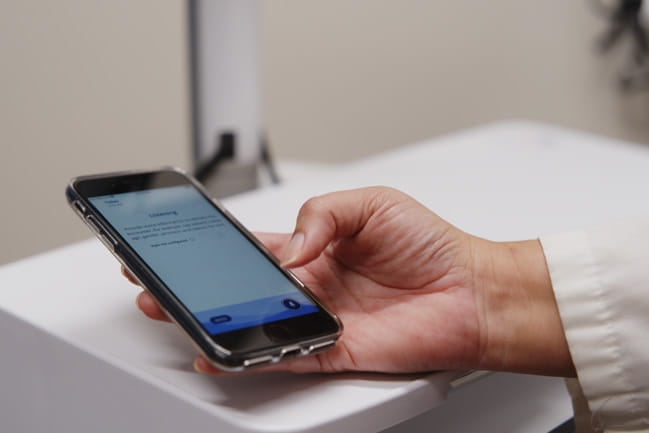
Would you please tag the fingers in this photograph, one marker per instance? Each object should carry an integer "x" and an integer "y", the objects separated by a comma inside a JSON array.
[
  {"x": 145, "y": 301},
  {"x": 326, "y": 218},
  {"x": 150, "y": 307},
  {"x": 275, "y": 242}
]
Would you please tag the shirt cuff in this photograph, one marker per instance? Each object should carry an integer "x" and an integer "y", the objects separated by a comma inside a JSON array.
[{"x": 601, "y": 283}]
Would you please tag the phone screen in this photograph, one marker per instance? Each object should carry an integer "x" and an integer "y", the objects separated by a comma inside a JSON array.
[{"x": 222, "y": 277}]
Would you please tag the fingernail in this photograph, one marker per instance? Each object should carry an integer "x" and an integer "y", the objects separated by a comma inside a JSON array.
[
  {"x": 198, "y": 365},
  {"x": 137, "y": 300},
  {"x": 293, "y": 249}
]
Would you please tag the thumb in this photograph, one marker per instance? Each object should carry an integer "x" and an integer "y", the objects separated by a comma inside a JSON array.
[{"x": 324, "y": 219}]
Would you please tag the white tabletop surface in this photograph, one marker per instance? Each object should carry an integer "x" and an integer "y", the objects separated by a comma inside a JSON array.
[{"x": 513, "y": 180}]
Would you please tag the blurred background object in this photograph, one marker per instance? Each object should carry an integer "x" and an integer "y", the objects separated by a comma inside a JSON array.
[
  {"x": 229, "y": 146},
  {"x": 628, "y": 21}
]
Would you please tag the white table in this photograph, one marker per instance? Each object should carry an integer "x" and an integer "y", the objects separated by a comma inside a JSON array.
[{"x": 78, "y": 356}]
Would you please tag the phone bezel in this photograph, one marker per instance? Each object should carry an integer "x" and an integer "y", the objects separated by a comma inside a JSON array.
[{"x": 232, "y": 350}]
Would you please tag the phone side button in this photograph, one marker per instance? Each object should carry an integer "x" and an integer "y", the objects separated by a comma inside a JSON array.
[
  {"x": 104, "y": 240},
  {"x": 79, "y": 207},
  {"x": 99, "y": 230},
  {"x": 109, "y": 239},
  {"x": 94, "y": 225}
]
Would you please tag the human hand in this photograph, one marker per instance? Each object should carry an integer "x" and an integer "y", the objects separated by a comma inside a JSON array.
[{"x": 414, "y": 292}]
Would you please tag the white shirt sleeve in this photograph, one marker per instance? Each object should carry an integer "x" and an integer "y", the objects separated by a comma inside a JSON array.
[{"x": 601, "y": 283}]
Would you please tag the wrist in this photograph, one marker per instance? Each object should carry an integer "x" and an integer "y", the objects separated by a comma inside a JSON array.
[{"x": 521, "y": 329}]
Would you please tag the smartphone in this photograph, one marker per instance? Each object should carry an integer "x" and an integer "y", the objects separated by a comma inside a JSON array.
[{"x": 215, "y": 280}]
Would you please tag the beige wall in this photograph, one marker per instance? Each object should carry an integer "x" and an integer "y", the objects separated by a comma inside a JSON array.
[
  {"x": 347, "y": 78},
  {"x": 91, "y": 86},
  {"x": 86, "y": 86}
]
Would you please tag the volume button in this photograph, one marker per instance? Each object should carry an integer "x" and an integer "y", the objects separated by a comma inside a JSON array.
[
  {"x": 79, "y": 207},
  {"x": 94, "y": 225},
  {"x": 99, "y": 230},
  {"x": 109, "y": 239}
]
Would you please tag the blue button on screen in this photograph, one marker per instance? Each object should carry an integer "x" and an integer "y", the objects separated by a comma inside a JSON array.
[
  {"x": 291, "y": 303},
  {"x": 220, "y": 319}
]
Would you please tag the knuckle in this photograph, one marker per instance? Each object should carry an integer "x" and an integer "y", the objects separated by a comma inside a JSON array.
[
  {"x": 313, "y": 206},
  {"x": 381, "y": 195}
]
